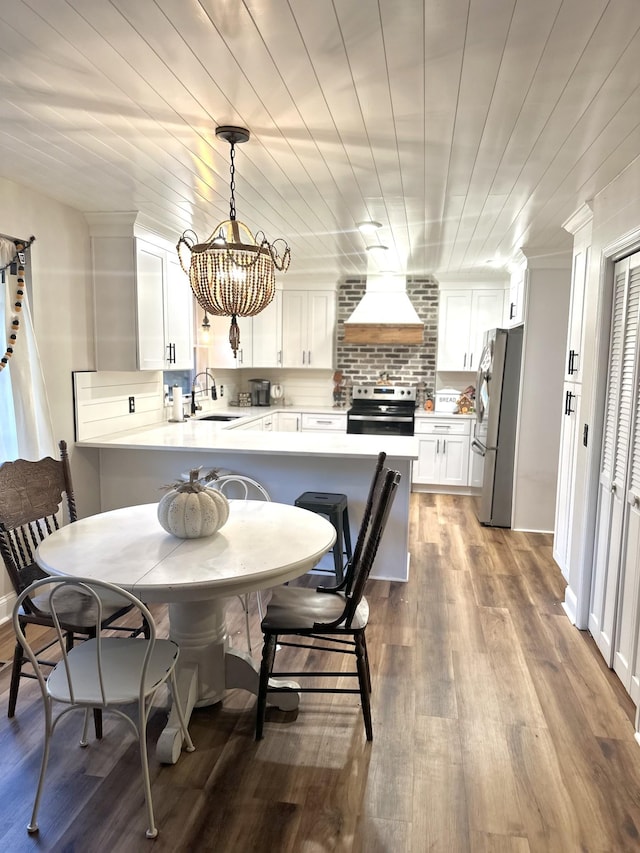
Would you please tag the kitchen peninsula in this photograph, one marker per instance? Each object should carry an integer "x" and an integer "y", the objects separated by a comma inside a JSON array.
[{"x": 135, "y": 465}]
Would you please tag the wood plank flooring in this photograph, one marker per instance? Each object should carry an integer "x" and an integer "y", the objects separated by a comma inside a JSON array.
[{"x": 497, "y": 729}]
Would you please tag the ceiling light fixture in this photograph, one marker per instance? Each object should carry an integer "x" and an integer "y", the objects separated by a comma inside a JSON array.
[
  {"x": 377, "y": 247},
  {"x": 232, "y": 274},
  {"x": 369, "y": 226}
]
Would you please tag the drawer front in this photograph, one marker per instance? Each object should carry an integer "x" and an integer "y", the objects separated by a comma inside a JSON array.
[
  {"x": 337, "y": 423},
  {"x": 429, "y": 426}
]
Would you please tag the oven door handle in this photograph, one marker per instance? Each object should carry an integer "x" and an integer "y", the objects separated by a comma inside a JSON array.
[{"x": 396, "y": 419}]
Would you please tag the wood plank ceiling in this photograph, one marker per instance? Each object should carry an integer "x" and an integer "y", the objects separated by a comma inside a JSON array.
[{"x": 468, "y": 128}]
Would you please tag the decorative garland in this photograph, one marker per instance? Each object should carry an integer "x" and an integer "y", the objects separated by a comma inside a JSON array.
[{"x": 19, "y": 258}]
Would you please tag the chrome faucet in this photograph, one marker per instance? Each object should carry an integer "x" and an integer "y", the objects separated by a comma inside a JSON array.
[{"x": 214, "y": 393}]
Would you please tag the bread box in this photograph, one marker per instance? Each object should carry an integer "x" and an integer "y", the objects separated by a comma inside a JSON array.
[{"x": 446, "y": 400}]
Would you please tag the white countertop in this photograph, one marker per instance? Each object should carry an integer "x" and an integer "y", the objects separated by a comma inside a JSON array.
[{"x": 194, "y": 434}]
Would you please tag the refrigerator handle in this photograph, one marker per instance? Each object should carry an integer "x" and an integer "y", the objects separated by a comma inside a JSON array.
[{"x": 477, "y": 448}]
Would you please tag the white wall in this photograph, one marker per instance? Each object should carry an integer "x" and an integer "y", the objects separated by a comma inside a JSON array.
[{"x": 62, "y": 313}]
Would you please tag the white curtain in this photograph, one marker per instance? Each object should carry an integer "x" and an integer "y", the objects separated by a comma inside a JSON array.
[{"x": 26, "y": 430}]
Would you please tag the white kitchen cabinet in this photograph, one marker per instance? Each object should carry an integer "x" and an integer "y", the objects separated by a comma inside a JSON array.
[
  {"x": 514, "y": 313},
  {"x": 179, "y": 313},
  {"x": 569, "y": 439},
  {"x": 464, "y": 315},
  {"x": 324, "y": 423},
  {"x": 220, "y": 353},
  {"x": 308, "y": 328},
  {"x": 266, "y": 336},
  {"x": 573, "y": 363},
  {"x": 443, "y": 452},
  {"x": 287, "y": 421},
  {"x": 143, "y": 302}
]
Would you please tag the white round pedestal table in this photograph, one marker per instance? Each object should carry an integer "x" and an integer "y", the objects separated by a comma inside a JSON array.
[{"x": 263, "y": 544}]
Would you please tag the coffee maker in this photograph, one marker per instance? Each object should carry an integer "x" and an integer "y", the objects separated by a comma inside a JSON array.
[{"x": 260, "y": 390}]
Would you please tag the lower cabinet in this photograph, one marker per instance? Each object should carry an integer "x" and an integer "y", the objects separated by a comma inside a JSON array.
[
  {"x": 324, "y": 423},
  {"x": 287, "y": 421},
  {"x": 443, "y": 455}
]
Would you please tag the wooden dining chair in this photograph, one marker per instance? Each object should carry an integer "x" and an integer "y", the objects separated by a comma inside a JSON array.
[
  {"x": 240, "y": 487},
  {"x": 105, "y": 672},
  {"x": 34, "y": 498},
  {"x": 296, "y": 617}
]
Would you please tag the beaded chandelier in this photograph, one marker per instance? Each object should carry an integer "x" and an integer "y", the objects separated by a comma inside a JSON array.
[{"x": 232, "y": 274}]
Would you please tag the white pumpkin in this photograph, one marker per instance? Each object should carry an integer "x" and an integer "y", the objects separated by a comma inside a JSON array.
[{"x": 190, "y": 511}]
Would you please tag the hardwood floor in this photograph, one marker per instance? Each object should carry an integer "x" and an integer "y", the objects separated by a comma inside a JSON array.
[{"x": 497, "y": 729}]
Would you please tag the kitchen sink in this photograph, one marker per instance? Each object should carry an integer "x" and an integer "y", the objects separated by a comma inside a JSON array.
[{"x": 219, "y": 418}]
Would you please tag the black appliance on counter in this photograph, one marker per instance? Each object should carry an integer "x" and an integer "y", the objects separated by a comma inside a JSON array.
[
  {"x": 260, "y": 390},
  {"x": 382, "y": 410}
]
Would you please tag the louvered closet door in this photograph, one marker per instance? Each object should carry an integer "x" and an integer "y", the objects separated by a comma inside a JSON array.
[
  {"x": 625, "y": 661},
  {"x": 620, "y": 402}
]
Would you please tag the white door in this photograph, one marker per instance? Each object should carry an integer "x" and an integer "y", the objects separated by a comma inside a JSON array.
[
  {"x": 628, "y": 498},
  {"x": 619, "y": 406}
]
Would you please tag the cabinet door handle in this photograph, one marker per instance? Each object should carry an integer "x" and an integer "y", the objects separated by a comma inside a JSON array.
[
  {"x": 572, "y": 367},
  {"x": 512, "y": 310},
  {"x": 279, "y": 356},
  {"x": 567, "y": 403},
  {"x": 303, "y": 357},
  {"x": 444, "y": 445},
  {"x": 464, "y": 363},
  {"x": 437, "y": 446},
  {"x": 471, "y": 361},
  {"x": 171, "y": 357},
  {"x": 309, "y": 357}
]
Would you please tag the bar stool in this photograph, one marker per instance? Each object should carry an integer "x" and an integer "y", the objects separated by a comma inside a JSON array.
[{"x": 334, "y": 506}]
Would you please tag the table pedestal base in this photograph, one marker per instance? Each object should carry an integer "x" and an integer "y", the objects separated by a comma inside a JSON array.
[{"x": 207, "y": 667}]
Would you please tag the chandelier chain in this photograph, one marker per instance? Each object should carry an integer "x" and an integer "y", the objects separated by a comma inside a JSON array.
[{"x": 232, "y": 170}]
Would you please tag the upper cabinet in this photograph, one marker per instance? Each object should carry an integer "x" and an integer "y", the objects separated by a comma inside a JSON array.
[
  {"x": 260, "y": 339},
  {"x": 308, "y": 328},
  {"x": 267, "y": 335},
  {"x": 573, "y": 362},
  {"x": 143, "y": 302},
  {"x": 517, "y": 294},
  {"x": 465, "y": 314},
  {"x": 220, "y": 352}
]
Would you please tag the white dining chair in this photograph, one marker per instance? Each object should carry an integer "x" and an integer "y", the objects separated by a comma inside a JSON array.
[
  {"x": 239, "y": 487},
  {"x": 102, "y": 672}
]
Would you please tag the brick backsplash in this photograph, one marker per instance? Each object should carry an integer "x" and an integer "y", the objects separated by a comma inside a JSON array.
[{"x": 409, "y": 365}]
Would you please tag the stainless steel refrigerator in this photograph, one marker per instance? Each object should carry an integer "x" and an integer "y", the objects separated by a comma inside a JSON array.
[{"x": 497, "y": 391}]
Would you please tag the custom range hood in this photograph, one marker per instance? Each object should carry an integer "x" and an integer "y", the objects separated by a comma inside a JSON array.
[{"x": 384, "y": 315}]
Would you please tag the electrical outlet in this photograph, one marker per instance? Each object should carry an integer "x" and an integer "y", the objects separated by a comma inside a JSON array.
[{"x": 132, "y": 405}]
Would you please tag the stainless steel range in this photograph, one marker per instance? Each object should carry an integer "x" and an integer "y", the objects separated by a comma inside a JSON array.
[{"x": 382, "y": 410}]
